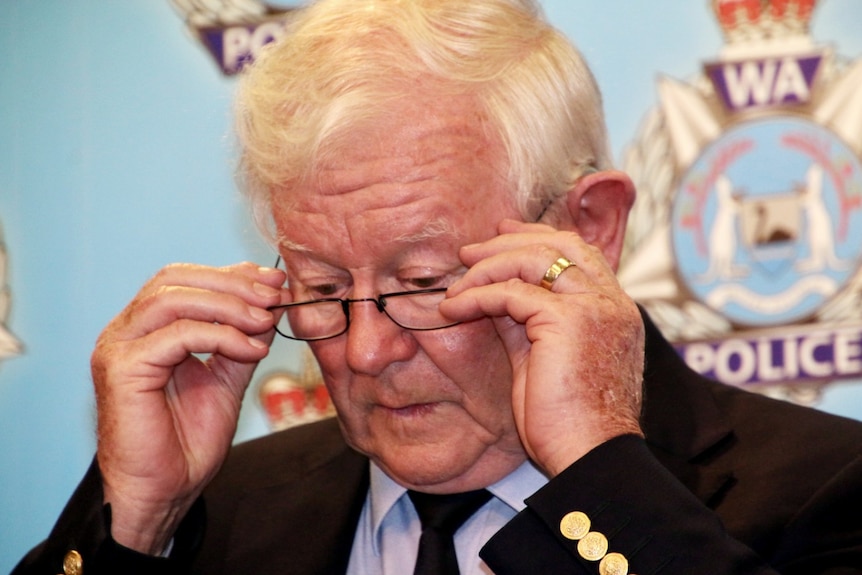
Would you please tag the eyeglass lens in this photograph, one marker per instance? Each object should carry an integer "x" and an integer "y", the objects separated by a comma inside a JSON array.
[{"x": 322, "y": 319}]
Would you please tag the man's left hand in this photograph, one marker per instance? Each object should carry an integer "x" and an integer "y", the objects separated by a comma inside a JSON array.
[{"x": 576, "y": 348}]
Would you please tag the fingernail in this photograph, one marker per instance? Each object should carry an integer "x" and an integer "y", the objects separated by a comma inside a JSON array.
[
  {"x": 453, "y": 288},
  {"x": 256, "y": 343},
  {"x": 260, "y": 314},
  {"x": 264, "y": 290}
]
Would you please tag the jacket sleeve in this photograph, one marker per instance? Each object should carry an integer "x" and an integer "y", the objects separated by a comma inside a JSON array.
[
  {"x": 80, "y": 541},
  {"x": 654, "y": 525}
]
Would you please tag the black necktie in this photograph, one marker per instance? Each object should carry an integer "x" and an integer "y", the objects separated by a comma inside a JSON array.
[{"x": 441, "y": 516}]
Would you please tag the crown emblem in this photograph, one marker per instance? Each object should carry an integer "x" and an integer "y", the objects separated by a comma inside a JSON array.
[{"x": 757, "y": 20}]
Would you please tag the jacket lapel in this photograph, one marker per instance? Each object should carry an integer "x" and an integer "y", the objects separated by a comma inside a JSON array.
[{"x": 310, "y": 520}]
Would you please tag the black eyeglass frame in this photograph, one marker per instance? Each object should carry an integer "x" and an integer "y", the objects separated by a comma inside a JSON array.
[{"x": 379, "y": 302}]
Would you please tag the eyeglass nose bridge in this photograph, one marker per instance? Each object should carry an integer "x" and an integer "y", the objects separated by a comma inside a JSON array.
[{"x": 379, "y": 303}]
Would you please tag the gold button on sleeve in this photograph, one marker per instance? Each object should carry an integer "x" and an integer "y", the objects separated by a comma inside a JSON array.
[
  {"x": 575, "y": 525},
  {"x": 613, "y": 564},
  {"x": 593, "y": 546},
  {"x": 73, "y": 563}
]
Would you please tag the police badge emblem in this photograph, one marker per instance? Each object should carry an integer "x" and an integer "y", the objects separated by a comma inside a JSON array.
[{"x": 746, "y": 239}]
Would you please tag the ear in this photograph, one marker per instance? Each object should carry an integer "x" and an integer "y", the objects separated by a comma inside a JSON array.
[{"x": 598, "y": 206}]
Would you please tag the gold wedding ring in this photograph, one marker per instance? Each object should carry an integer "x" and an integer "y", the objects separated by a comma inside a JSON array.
[{"x": 554, "y": 272}]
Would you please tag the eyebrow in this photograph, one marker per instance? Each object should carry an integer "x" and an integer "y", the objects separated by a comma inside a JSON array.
[
  {"x": 283, "y": 243},
  {"x": 434, "y": 228}
]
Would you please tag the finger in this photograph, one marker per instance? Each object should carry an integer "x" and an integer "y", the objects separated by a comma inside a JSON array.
[
  {"x": 233, "y": 370},
  {"x": 239, "y": 296},
  {"x": 253, "y": 283},
  {"x": 169, "y": 304},
  {"x": 514, "y": 298},
  {"x": 510, "y": 226},
  {"x": 529, "y": 264},
  {"x": 568, "y": 244},
  {"x": 565, "y": 242},
  {"x": 152, "y": 357}
]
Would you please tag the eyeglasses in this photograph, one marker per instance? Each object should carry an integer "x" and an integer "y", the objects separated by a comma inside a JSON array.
[{"x": 325, "y": 318}]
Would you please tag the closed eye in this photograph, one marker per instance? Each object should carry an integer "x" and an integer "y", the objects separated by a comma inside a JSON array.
[
  {"x": 321, "y": 291},
  {"x": 427, "y": 282}
]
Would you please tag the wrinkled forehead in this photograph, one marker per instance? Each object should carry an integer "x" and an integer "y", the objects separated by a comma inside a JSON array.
[
  {"x": 424, "y": 170},
  {"x": 438, "y": 231},
  {"x": 379, "y": 221}
]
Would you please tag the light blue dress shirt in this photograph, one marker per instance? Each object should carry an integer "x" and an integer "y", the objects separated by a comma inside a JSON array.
[{"x": 387, "y": 536}]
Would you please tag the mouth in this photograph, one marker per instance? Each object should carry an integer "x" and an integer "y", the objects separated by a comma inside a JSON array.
[{"x": 412, "y": 410}]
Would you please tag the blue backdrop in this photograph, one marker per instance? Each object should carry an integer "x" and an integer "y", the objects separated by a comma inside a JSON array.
[{"x": 116, "y": 159}]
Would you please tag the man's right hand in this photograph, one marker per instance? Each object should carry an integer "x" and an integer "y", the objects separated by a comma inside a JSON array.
[{"x": 170, "y": 372}]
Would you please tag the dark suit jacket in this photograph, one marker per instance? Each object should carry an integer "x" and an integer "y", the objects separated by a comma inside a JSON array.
[{"x": 726, "y": 482}]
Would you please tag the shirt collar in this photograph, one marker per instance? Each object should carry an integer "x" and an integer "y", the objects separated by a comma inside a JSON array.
[
  {"x": 513, "y": 490},
  {"x": 384, "y": 493}
]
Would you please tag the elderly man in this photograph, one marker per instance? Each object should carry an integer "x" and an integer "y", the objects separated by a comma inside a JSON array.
[{"x": 435, "y": 176}]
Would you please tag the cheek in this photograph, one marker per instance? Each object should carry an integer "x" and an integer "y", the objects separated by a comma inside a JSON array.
[
  {"x": 330, "y": 357},
  {"x": 471, "y": 355},
  {"x": 473, "y": 358},
  {"x": 475, "y": 338}
]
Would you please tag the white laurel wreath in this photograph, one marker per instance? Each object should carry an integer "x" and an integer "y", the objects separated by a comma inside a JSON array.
[
  {"x": 649, "y": 161},
  {"x": 208, "y": 13},
  {"x": 9, "y": 345}
]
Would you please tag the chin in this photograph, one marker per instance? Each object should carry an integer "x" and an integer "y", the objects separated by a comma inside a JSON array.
[
  {"x": 458, "y": 466},
  {"x": 423, "y": 474}
]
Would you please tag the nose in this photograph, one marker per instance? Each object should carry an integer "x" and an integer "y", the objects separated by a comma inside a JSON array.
[{"x": 374, "y": 341}]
